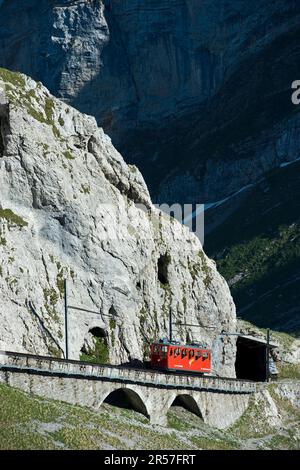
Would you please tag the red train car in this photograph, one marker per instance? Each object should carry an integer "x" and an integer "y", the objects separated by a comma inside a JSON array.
[{"x": 173, "y": 356}]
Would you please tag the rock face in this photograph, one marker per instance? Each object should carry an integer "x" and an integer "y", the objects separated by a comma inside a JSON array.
[
  {"x": 169, "y": 82},
  {"x": 70, "y": 208}
]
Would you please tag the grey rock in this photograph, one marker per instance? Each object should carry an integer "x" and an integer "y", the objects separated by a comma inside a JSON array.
[
  {"x": 71, "y": 208},
  {"x": 169, "y": 82}
]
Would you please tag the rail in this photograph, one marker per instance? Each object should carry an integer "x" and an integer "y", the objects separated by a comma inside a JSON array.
[{"x": 44, "y": 365}]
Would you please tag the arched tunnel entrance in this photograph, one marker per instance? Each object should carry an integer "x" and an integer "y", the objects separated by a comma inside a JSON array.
[
  {"x": 95, "y": 346},
  {"x": 188, "y": 403},
  {"x": 128, "y": 399}
]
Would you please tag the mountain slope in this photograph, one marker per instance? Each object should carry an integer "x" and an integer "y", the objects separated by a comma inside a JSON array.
[
  {"x": 30, "y": 422},
  {"x": 258, "y": 251}
]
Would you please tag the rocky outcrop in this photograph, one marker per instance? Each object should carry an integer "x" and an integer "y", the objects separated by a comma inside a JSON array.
[{"x": 70, "y": 208}]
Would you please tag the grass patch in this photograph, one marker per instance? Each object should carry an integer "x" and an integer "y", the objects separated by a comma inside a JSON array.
[
  {"x": 176, "y": 423},
  {"x": 98, "y": 354},
  {"x": 252, "y": 423},
  {"x": 12, "y": 219},
  {"x": 31, "y": 422},
  {"x": 67, "y": 154},
  {"x": 51, "y": 298},
  {"x": 206, "y": 443},
  {"x": 289, "y": 371},
  {"x": 15, "y": 87},
  {"x": 14, "y": 78}
]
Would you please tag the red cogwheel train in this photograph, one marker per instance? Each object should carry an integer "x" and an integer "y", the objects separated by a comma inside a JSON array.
[{"x": 174, "y": 356}]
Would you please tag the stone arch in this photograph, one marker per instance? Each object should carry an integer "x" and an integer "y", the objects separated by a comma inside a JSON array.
[
  {"x": 98, "y": 332},
  {"x": 186, "y": 401},
  {"x": 125, "y": 397}
]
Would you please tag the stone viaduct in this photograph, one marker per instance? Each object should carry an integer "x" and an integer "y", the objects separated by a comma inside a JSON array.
[{"x": 218, "y": 401}]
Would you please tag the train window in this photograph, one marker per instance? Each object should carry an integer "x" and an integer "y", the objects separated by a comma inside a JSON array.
[
  {"x": 183, "y": 353},
  {"x": 176, "y": 352},
  {"x": 164, "y": 349},
  {"x": 205, "y": 355},
  {"x": 155, "y": 349},
  {"x": 191, "y": 354},
  {"x": 198, "y": 354},
  {"x": 171, "y": 352}
]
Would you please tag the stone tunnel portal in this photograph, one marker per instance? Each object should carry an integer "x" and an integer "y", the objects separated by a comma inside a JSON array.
[{"x": 251, "y": 359}]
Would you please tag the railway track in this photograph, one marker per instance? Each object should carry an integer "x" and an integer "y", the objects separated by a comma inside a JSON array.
[{"x": 47, "y": 365}]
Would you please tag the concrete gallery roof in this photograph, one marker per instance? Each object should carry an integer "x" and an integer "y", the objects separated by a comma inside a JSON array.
[{"x": 259, "y": 341}]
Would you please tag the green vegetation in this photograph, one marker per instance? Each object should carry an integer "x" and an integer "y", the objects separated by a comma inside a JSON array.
[
  {"x": 167, "y": 300},
  {"x": 31, "y": 422},
  {"x": 60, "y": 280},
  {"x": 213, "y": 444},
  {"x": 54, "y": 350},
  {"x": 98, "y": 354},
  {"x": 289, "y": 371},
  {"x": 143, "y": 317},
  {"x": 15, "y": 78},
  {"x": 206, "y": 269},
  {"x": 286, "y": 408},
  {"x": 49, "y": 111},
  {"x": 45, "y": 148},
  {"x": 85, "y": 189},
  {"x": 201, "y": 268},
  {"x": 67, "y": 154},
  {"x": 253, "y": 423},
  {"x": 18, "y": 95},
  {"x": 175, "y": 422},
  {"x": 112, "y": 327},
  {"x": 12, "y": 219},
  {"x": 284, "y": 340},
  {"x": 260, "y": 255},
  {"x": 257, "y": 250},
  {"x": 51, "y": 298}
]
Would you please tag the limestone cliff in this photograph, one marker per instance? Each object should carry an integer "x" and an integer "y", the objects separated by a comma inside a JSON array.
[
  {"x": 71, "y": 208},
  {"x": 169, "y": 81}
]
